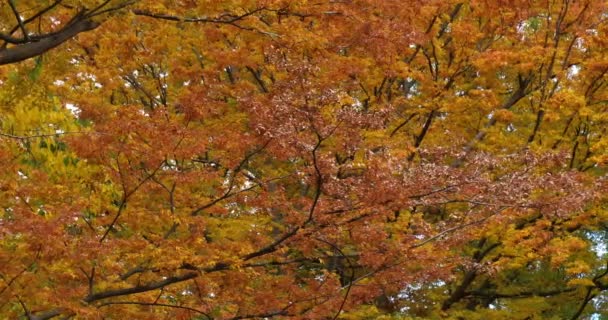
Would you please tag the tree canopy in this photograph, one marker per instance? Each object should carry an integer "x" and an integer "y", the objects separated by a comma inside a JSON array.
[{"x": 348, "y": 159}]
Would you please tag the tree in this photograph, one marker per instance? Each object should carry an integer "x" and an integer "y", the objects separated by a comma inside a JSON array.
[{"x": 295, "y": 159}]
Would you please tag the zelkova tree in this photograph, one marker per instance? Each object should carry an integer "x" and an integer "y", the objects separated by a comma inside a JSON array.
[{"x": 303, "y": 159}]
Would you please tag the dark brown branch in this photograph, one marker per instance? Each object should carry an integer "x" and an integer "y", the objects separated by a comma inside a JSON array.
[
  {"x": 125, "y": 198},
  {"x": 271, "y": 247},
  {"x": 8, "y": 39},
  {"x": 11, "y": 3},
  {"x": 10, "y": 282},
  {"x": 460, "y": 291},
  {"x": 95, "y": 10},
  {"x": 280, "y": 263},
  {"x": 425, "y": 130},
  {"x": 522, "y": 90},
  {"x": 589, "y": 294},
  {"x": 469, "y": 277},
  {"x": 26, "y": 311},
  {"x": 140, "y": 288},
  {"x": 527, "y": 294},
  {"x": 539, "y": 119},
  {"x": 319, "y": 180},
  {"x": 45, "y": 315},
  {"x": 378, "y": 90},
  {"x": 257, "y": 76},
  {"x": 31, "y": 49},
  {"x": 578, "y": 17},
  {"x": 222, "y": 197},
  {"x": 133, "y": 271},
  {"x": 230, "y": 20},
  {"x": 403, "y": 124},
  {"x": 282, "y": 312},
  {"x": 456, "y": 228},
  {"x": 453, "y": 15},
  {"x": 595, "y": 84},
  {"x": 30, "y": 46},
  {"x": 18, "y": 137},
  {"x": 34, "y": 45},
  {"x": 588, "y": 297},
  {"x": 90, "y": 277},
  {"x": 429, "y": 63},
  {"x": 228, "y": 193},
  {"x": 566, "y": 128},
  {"x": 138, "y": 86},
  {"x": 154, "y": 304},
  {"x": 599, "y": 276},
  {"x": 573, "y": 155},
  {"x": 350, "y": 281}
]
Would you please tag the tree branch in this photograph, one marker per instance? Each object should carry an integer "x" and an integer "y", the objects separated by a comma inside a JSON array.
[
  {"x": 456, "y": 228},
  {"x": 154, "y": 304},
  {"x": 231, "y": 19},
  {"x": 125, "y": 197},
  {"x": 11, "y": 3},
  {"x": 140, "y": 288},
  {"x": 271, "y": 247},
  {"x": 526, "y": 294},
  {"x": 31, "y": 49}
]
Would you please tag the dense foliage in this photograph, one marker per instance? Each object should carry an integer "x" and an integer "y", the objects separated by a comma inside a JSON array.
[{"x": 353, "y": 159}]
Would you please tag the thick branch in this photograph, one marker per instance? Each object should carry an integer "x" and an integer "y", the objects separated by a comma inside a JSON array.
[
  {"x": 140, "y": 288},
  {"x": 425, "y": 129},
  {"x": 461, "y": 291},
  {"x": 45, "y": 315},
  {"x": 28, "y": 50}
]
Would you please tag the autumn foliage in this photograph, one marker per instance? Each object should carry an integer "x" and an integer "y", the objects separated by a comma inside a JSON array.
[{"x": 355, "y": 159}]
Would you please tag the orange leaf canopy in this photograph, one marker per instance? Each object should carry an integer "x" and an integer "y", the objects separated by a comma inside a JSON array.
[{"x": 303, "y": 159}]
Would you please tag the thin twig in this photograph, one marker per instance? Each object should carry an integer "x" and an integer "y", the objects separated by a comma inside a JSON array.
[{"x": 456, "y": 228}]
